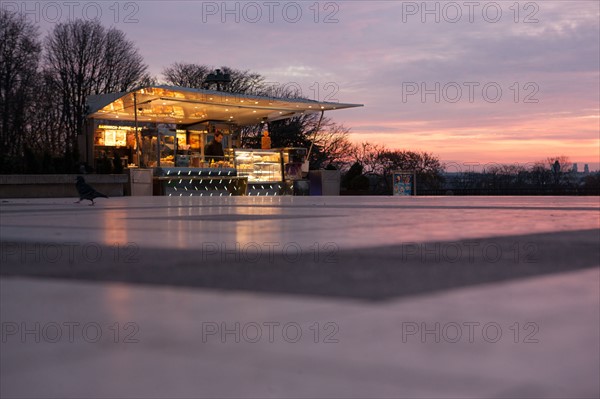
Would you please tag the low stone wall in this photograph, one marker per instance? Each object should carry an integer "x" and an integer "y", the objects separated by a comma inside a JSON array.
[{"x": 58, "y": 186}]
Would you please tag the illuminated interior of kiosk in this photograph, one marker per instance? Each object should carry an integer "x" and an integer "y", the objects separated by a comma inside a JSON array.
[{"x": 175, "y": 124}]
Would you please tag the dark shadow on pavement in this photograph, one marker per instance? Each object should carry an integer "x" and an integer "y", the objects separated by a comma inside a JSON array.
[{"x": 376, "y": 273}]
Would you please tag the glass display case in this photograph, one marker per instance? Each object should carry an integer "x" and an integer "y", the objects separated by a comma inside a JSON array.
[
  {"x": 251, "y": 172},
  {"x": 158, "y": 147},
  {"x": 262, "y": 166}
]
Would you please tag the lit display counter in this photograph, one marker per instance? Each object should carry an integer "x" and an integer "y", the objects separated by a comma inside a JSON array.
[
  {"x": 262, "y": 168},
  {"x": 254, "y": 173},
  {"x": 188, "y": 182}
]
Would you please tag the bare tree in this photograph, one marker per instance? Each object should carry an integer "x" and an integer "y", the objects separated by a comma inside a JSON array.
[
  {"x": 186, "y": 75},
  {"x": 123, "y": 67},
  {"x": 368, "y": 155},
  {"x": 379, "y": 162},
  {"x": 194, "y": 76},
  {"x": 334, "y": 146},
  {"x": 562, "y": 173},
  {"x": 564, "y": 160},
  {"x": 83, "y": 58},
  {"x": 244, "y": 82},
  {"x": 20, "y": 51},
  {"x": 48, "y": 133},
  {"x": 427, "y": 166}
]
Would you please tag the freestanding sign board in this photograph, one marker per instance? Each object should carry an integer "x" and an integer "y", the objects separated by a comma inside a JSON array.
[{"x": 404, "y": 182}]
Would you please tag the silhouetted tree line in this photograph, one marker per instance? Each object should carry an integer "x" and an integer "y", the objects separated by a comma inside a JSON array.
[
  {"x": 370, "y": 168},
  {"x": 553, "y": 176},
  {"x": 44, "y": 86}
]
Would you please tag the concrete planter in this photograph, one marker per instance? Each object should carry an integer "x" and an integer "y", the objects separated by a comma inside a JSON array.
[{"x": 324, "y": 182}]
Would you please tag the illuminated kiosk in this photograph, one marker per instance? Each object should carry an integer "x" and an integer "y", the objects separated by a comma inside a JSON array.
[{"x": 167, "y": 128}]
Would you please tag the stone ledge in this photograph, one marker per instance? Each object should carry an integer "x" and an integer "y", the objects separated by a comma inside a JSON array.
[
  {"x": 62, "y": 179},
  {"x": 57, "y": 186}
]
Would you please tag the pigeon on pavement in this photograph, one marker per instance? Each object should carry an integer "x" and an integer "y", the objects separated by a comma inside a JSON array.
[{"x": 86, "y": 191}]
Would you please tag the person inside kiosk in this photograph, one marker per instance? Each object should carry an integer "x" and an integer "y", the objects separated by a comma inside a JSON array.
[{"x": 213, "y": 152}]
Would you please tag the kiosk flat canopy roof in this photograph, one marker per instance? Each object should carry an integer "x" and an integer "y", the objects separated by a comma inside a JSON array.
[{"x": 180, "y": 105}]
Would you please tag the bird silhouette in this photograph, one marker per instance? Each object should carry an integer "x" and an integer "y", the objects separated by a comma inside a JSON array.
[{"x": 86, "y": 191}]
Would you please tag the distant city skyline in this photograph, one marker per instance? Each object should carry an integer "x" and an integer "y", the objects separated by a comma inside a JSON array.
[
  {"x": 471, "y": 82},
  {"x": 452, "y": 167}
]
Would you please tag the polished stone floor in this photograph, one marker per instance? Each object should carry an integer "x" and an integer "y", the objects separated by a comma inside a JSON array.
[{"x": 301, "y": 297}]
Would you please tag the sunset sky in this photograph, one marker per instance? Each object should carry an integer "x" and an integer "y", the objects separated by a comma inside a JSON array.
[{"x": 472, "y": 82}]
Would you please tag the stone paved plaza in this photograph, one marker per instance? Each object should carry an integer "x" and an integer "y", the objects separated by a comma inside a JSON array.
[{"x": 422, "y": 297}]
